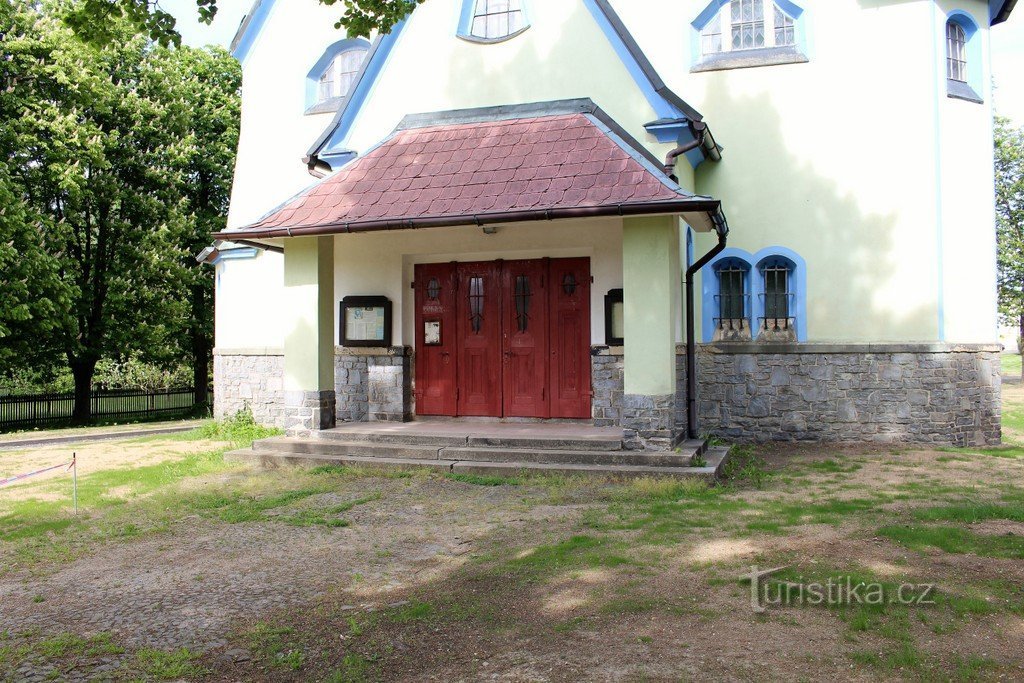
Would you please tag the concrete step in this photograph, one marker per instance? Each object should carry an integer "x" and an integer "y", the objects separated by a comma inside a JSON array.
[
  {"x": 611, "y": 440},
  {"x": 332, "y": 447},
  {"x": 568, "y": 457},
  {"x": 270, "y": 460},
  {"x": 368, "y": 449}
]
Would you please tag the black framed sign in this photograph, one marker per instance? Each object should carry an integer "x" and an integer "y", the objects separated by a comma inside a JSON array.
[
  {"x": 613, "y": 318},
  {"x": 365, "y": 321}
]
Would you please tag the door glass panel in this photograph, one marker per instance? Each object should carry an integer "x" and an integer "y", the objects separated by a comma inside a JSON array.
[
  {"x": 476, "y": 303},
  {"x": 569, "y": 283},
  {"x": 433, "y": 289},
  {"x": 522, "y": 298}
]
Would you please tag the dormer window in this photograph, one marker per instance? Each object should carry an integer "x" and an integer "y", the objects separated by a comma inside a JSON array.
[
  {"x": 745, "y": 33},
  {"x": 491, "y": 21},
  {"x": 334, "y": 75},
  {"x": 340, "y": 74}
]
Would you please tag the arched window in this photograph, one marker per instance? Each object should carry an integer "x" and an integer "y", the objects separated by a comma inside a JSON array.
[
  {"x": 493, "y": 20},
  {"x": 733, "y": 298},
  {"x": 963, "y": 58},
  {"x": 956, "y": 52},
  {"x": 748, "y": 25},
  {"x": 776, "y": 294},
  {"x": 340, "y": 74}
]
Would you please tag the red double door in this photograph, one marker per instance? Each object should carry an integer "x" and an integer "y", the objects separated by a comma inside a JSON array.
[{"x": 503, "y": 338}]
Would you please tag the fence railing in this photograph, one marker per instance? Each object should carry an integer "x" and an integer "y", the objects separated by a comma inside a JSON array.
[{"x": 41, "y": 410}]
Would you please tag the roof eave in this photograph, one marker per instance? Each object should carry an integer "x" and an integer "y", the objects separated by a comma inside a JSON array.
[
  {"x": 700, "y": 210},
  {"x": 1004, "y": 12}
]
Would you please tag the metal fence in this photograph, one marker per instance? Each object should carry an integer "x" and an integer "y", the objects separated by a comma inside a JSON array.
[{"x": 41, "y": 410}]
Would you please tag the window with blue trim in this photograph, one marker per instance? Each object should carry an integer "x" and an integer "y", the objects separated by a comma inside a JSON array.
[
  {"x": 736, "y": 33},
  {"x": 334, "y": 74},
  {"x": 963, "y": 58},
  {"x": 733, "y": 299},
  {"x": 490, "y": 21},
  {"x": 777, "y": 296}
]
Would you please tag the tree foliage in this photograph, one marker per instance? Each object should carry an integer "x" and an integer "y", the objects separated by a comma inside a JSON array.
[
  {"x": 1009, "y": 167},
  {"x": 118, "y": 156},
  {"x": 96, "y": 20}
]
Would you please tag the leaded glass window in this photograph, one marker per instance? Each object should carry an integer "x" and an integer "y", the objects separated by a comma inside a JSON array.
[
  {"x": 476, "y": 303},
  {"x": 748, "y": 25},
  {"x": 522, "y": 296}
]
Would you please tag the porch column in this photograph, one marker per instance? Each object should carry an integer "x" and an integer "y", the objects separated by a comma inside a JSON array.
[
  {"x": 308, "y": 323},
  {"x": 651, "y": 277}
]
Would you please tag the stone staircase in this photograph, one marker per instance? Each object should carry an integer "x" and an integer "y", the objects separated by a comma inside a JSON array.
[{"x": 502, "y": 449}]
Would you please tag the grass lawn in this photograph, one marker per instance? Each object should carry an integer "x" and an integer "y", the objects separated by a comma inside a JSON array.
[
  {"x": 1010, "y": 364},
  {"x": 182, "y": 567}
]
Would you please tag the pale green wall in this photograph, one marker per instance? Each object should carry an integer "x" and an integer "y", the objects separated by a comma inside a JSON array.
[
  {"x": 650, "y": 281},
  {"x": 308, "y": 315}
]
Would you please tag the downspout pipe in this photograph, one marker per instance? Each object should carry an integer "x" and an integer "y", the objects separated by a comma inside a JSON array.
[
  {"x": 702, "y": 139},
  {"x": 722, "y": 228}
]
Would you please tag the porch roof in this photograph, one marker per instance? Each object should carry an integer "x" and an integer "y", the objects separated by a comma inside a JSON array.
[{"x": 454, "y": 169}]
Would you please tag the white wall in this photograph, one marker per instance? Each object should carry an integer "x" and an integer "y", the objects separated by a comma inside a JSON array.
[{"x": 249, "y": 302}]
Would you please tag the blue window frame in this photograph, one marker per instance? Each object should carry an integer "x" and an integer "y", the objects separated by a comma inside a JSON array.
[
  {"x": 738, "y": 33},
  {"x": 332, "y": 77},
  {"x": 755, "y": 295},
  {"x": 962, "y": 61},
  {"x": 492, "y": 21}
]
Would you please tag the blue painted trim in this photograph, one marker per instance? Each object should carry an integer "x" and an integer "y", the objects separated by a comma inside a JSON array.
[
  {"x": 709, "y": 12},
  {"x": 975, "y": 59},
  {"x": 252, "y": 31},
  {"x": 378, "y": 59},
  {"x": 335, "y": 49},
  {"x": 236, "y": 254},
  {"x": 661, "y": 106},
  {"x": 668, "y": 133},
  {"x": 465, "y": 28},
  {"x": 754, "y": 286},
  {"x": 798, "y": 286},
  {"x": 710, "y": 288},
  {"x": 689, "y": 247}
]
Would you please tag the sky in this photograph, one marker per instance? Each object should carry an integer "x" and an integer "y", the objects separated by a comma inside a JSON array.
[{"x": 1007, "y": 46}]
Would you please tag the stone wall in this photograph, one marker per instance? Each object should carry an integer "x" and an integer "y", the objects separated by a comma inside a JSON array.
[
  {"x": 374, "y": 384},
  {"x": 252, "y": 378},
  {"x": 648, "y": 422},
  {"x": 370, "y": 384},
  {"x": 908, "y": 393}
]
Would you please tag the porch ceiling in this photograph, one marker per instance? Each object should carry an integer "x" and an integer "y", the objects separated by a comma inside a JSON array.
[{"x": 537, "y": 167}]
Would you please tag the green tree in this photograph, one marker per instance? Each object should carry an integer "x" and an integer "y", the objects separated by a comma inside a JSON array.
[
  {"x": 96, "y": 19},
  {"x": 1009, "y": 166},
  {"x": 124, "y": 153},
  {"x": 205, "y": 88}
]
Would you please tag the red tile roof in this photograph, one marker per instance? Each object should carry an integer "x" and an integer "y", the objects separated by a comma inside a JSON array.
[{"x": 468, "y": 173}]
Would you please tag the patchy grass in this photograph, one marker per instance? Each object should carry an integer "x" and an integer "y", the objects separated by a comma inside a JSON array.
[
  {"x": 164, "y": 665},
  {"x": 482, "y": 480},
  {"x": 1010, "y": 364}
]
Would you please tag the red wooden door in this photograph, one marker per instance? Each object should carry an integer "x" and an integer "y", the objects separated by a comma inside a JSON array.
[
  {"x": 478, "y": 344},
  {"x": 436, "y": 335},
  {"x": 525, "y": 338},
  {"x": 569, "y": 288}
]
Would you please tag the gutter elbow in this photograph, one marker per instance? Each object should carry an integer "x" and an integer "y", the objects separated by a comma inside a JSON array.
[{"x": 317, "y": 167}]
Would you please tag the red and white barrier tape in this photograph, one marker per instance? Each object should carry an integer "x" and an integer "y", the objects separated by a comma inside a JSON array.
[{"x": 19, "y": 477}]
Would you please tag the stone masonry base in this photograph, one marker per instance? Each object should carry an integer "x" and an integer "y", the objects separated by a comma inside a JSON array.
[{"x": 908, "y": 393}]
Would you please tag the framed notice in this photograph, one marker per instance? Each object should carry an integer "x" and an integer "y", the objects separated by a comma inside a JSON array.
[
  {"x": 365, "y": 321},
  {"x": 432, "y": 333}
]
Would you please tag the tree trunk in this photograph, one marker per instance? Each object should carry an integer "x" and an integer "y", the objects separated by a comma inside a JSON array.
[
  {"x": 200, "y": 348},
  {"x": 83, "y": 369},
  {"x": 1020, "y": 346}
]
